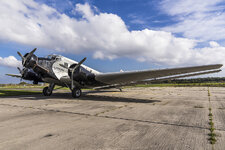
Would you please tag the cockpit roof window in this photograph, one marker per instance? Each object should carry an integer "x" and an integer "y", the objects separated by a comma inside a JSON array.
[
  {"x": 49, "y": 56},
  {"x": 53, "y": 57}
]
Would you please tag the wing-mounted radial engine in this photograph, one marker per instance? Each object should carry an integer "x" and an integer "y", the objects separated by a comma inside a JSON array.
[
  {"x": 78, "y": 75},
  {"x": 29, "y": 74}
]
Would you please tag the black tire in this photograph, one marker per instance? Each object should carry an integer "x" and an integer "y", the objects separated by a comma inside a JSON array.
[
  {"x": 47, "y": 92},
  {"x": 76, "y": 93}
]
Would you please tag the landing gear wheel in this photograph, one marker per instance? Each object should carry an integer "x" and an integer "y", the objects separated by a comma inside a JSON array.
[
  {"x": 76, "y": 93},
  {"x": 47, "y": 91}
]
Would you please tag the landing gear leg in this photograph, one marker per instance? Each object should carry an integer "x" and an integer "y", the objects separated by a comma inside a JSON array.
[
  {"x": 47, "y": 91},
  {"x": 76, "y": 92}
]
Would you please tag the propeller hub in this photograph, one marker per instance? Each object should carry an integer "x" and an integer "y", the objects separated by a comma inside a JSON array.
[
  {"x": 30, "y": 62},
  {"x": 29, "y": 59}
]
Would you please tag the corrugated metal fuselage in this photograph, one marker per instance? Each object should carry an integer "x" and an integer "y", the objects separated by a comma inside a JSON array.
[{"x": 57, "y": 72}]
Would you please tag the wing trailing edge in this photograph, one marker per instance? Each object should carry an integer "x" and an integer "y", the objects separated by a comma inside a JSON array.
[
  {"x": 134, "y": 76},
  {"x": 156, "y": 79}
]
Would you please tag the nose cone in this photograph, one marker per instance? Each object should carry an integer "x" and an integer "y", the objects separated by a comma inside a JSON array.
[
  {"x": 29, "y": 59},
  {"x": 31, "y": 62}
]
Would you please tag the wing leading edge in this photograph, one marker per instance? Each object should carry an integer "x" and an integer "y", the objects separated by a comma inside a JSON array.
[
  {"x": 134, "y": 76},
  {"x": 152, "y": 80}
]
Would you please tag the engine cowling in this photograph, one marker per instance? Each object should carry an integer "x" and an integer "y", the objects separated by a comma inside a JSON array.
[
  {"x": 28, "y": 74},
  {"x": 78, "y": 74},
  {"x": 31, "y": 61}
]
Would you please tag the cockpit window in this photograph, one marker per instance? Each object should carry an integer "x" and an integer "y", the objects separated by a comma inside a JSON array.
[
  {"x": 58, "y": 59},
  {"x": 53, "y": 57},
  {"x": 49, "y": 56}
]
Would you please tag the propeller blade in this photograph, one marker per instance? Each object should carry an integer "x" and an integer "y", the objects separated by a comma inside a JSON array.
[
  {"x": 78, "y": 65},
  {"x": 29, "y": 55},
  {"x": 81, "y": 62},
  {"x": 32, "y": 52},
  {"x": 73, "y": 70},
  {"x": 19, "y": 70},
  {"x": 20, "y": 55}
]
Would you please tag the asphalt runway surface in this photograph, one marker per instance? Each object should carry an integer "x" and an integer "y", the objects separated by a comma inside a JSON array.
[{"x": 137, "y": 118}]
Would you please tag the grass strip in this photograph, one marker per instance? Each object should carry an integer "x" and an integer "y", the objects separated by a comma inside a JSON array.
[
  {"x": 4, "y": 92},
  {"x": 212, "y": 134}
]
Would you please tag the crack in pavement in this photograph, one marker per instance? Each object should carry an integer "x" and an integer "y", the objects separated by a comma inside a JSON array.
[{"x": 112, "y": 117}]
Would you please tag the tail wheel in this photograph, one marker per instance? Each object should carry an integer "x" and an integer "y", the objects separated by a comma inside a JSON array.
[
  {"x": 47, "y": 91},
  {"x": 76, "y": 92}
]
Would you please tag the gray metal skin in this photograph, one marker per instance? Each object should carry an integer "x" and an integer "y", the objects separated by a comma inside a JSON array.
[
  {"x": 59, "y": 70},
  {"x": 83, "y": 78}
]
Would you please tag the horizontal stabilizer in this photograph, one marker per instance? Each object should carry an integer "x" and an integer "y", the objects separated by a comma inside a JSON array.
[{"x": 14, "y": 75}]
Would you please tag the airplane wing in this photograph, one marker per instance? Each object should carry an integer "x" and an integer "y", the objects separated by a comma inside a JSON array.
[
  {"x": 156, "y": 79},
  {"x": 124, "y": 78},
  {"x": 14, "y": 75}
]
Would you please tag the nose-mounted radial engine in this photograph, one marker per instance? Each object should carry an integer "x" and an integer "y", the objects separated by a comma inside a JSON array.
[{"x": 29, "y": 61}]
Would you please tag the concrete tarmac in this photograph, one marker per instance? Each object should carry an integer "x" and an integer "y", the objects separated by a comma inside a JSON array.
[{"x": 137, "y": 118}]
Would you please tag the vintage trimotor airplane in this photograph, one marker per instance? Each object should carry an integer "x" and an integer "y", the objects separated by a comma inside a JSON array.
[{"x": 62, "y": 71}]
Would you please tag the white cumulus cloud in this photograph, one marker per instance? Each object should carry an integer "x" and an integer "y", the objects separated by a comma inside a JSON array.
[
  {"x": 10, "y": 61},
  {"x": 214, "y": 44},
  {"x": 198, "y": 19},
  {"x": 105, "y": 35}
]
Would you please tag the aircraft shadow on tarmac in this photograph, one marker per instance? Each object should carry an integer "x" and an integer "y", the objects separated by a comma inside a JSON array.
[{"x": 86, "y": 96}]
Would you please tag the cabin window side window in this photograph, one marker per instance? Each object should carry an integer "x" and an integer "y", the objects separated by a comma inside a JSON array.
[{"x": 66, "y": 64}]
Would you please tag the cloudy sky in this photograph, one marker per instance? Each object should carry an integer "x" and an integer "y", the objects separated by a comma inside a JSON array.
[{"x": 114, "y": 34}]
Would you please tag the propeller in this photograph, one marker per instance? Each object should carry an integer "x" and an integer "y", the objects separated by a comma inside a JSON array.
[
  {"x": 74, "y": 69},
  {"x": 21, "y": 72},
  {"x": 20, "y": 55},
  {"x": 26, "y": 57}
]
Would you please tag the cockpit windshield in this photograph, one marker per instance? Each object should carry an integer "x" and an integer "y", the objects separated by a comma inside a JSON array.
[{"x": 53, "y": 57}]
